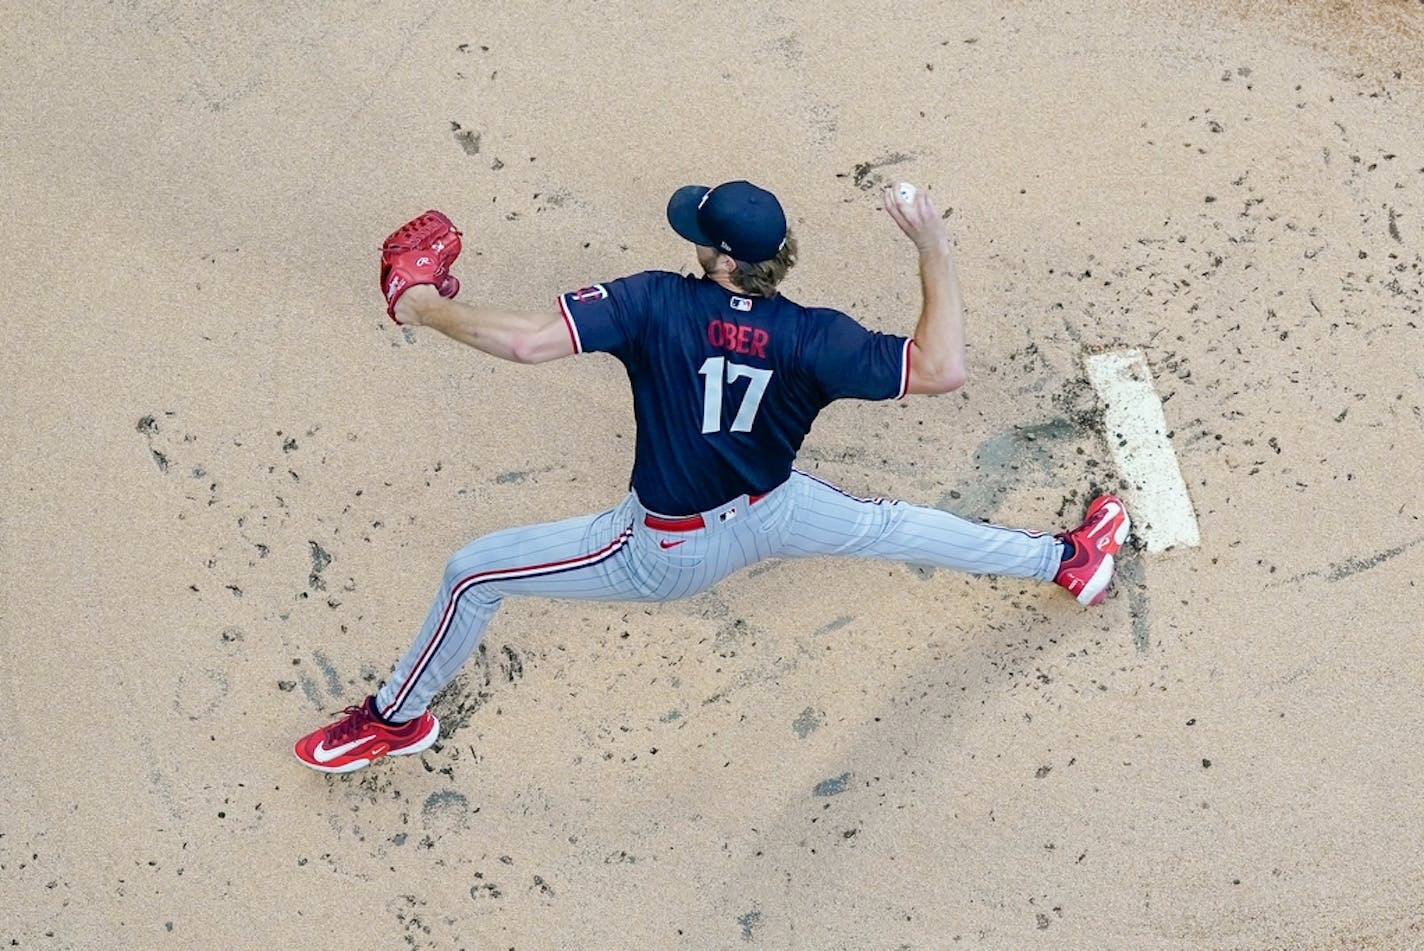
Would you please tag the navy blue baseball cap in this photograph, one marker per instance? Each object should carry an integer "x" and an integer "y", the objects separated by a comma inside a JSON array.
[{"x": 736, "y": 218}]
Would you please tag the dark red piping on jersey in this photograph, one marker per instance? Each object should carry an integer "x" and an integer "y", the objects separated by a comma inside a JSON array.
[
  {"x": 569, "y": 324},
  {"x": 905, "y": 378}
]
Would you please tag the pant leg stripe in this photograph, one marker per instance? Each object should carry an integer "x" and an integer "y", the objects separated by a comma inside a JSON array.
[
  {"x": 499, "y": 574},
  {"x": 878, "y": 500}
]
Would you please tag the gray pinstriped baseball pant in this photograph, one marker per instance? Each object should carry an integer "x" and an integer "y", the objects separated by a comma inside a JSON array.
[{"x": 614, "y": 556}]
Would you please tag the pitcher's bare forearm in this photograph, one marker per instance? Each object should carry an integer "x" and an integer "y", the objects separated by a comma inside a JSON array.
[
  {"x": 937, "y": 351},
  {"x": 517, "y": 336},
  {"x": 939, "y": 334}
]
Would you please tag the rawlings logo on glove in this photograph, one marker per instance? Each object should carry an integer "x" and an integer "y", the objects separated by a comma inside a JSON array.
[{"x": 419, "y": 252}]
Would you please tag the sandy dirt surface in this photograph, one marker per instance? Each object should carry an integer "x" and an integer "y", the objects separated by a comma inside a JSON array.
[{"x": 231, "y": 483}]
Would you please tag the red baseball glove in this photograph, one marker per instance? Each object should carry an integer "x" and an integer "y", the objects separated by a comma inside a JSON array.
[{"x": 419, "y": 252}]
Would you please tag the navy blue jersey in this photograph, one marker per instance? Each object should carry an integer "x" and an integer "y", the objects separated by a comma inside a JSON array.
[{"x": 725, "y": 387}]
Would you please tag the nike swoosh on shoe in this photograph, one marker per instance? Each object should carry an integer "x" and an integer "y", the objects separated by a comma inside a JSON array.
[
  {"x": 1109, "y": 511},
  {"x": 323, "y": 755}
]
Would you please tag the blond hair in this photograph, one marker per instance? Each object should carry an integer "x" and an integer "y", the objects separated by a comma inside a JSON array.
[{"x": 763, "y": 277}]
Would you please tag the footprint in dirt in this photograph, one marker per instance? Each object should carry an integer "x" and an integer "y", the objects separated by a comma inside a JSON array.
[{"x": 167, "y": 447}]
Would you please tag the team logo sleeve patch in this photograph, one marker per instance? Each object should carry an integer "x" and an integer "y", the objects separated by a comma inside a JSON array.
[
  {"x": 587, "y": 295},
  {"x": 606, "y": 317},
  {"x": 573, "y": 301}
]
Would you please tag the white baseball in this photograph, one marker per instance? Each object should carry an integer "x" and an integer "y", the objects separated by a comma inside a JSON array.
[{"x": 906, "y": 192}]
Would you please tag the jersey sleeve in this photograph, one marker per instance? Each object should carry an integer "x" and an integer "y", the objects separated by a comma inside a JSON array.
[
  {"x": 851, "y": 362},
  {"x": 608, "y": 318}
]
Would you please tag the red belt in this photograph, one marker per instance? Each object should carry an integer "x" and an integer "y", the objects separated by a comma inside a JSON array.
[{"x": 687, "y": 523}]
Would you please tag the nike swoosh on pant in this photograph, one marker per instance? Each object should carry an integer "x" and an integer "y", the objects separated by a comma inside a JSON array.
[{"x": 323, "y": 755}]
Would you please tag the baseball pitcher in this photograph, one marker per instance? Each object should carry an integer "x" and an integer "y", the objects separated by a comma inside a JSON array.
[{"x": 728, "y": 376}]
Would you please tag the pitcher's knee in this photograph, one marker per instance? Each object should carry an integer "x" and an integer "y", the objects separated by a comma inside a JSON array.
[{"x": 468, "y": 572}]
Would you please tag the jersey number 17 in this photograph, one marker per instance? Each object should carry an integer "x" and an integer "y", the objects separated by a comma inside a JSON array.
[{"x": 714, "y": 369}]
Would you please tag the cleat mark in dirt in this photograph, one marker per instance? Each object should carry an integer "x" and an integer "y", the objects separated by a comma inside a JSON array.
[
  {"x": 749, "y": 922},
  {"x": 865, "y": 177},
  {"x": 147, "y": 426},
  {"x": 309, "y": 688},
  {"x": 763, "y": 566},
  {"x": 807, "y": 723},
  {"x": 513, "y": 666},
  {"x": 333, "y": 680},
  {"x": 320, "y": 559},
  {"x": 457, "y": 704},
  {"x": 200, "y": 693},
  {"x": 467, "y": 139},
  {"x": 1339, "y": 571},
  {"x": 445, "y": 800},
  {"x": 1353, "y": 566},
  {"x": 1131, "y": 578}
]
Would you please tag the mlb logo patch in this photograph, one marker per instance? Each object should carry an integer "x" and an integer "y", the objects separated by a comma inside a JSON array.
[
  {"x": 741, "y": 303},
  {"x": 585, "y": 295}
]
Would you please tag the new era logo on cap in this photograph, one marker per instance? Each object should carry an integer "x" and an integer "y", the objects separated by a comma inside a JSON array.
[{"x": 739, "y": 218}]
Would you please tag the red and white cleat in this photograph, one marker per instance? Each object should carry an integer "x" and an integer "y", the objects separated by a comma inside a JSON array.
[
  {"x": 360, "y": 738},
  {"x": 1095, "y": 543}
]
